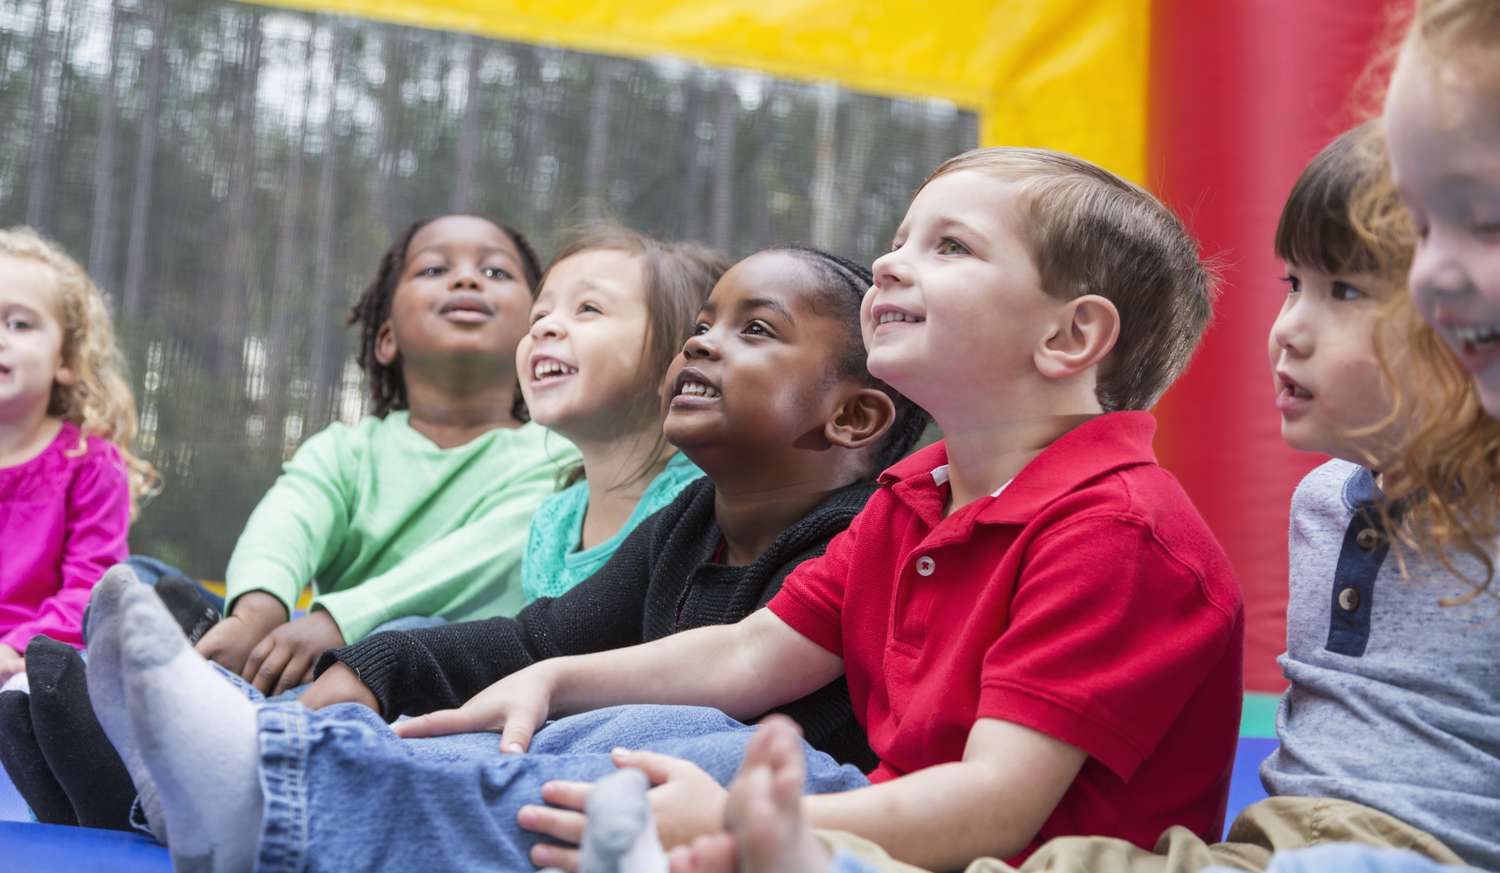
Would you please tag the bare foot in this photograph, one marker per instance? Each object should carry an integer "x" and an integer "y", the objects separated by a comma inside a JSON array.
[
  {"x": 766, "y": 833},
  {"x": 764, "y": 812}
]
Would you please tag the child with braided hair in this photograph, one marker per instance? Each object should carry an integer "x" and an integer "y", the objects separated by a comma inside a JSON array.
[{"x": 421, "y": 508}]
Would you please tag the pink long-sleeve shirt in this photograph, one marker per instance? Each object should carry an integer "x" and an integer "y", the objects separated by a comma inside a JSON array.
[{"x": 64, "y": 516}]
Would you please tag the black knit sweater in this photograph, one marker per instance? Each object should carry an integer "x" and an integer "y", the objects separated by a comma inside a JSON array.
[{"x": 661, "y": 580}]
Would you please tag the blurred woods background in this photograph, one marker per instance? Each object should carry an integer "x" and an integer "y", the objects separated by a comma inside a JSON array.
[{"x": 230, "y": 174}]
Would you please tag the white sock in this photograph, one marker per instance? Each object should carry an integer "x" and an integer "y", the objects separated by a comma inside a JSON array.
[
  {"x": 621, "y": 833},
  {"x": 107, "y": 691},
  {"x": 197, "y": 736}
]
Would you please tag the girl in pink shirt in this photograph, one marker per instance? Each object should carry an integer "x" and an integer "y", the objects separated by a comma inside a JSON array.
[{"x": 68, "y": 481}]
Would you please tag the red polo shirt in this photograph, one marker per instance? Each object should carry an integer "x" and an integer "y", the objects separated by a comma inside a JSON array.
[{"x": 1088, "y": 601}]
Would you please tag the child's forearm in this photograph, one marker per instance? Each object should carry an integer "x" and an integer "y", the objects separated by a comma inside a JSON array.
[
  {"x": 934, "y": 819},
  {"x": 743, "y": 669},
  {"x": 991, "y": 804}
]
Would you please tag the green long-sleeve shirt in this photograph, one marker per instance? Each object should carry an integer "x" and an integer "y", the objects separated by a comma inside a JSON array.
[{"x": 384, "y": 524}]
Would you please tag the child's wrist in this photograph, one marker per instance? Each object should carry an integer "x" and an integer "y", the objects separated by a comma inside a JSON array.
[{"x": 260, "y": 608}]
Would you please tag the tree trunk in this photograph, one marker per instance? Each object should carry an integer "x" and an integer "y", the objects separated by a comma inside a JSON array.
[
  {"x": 226, "y": 354},
  {"x": 388, "y": 142},
  {"x": 469, "y": 130},
  {"x": 596, "y": 160},
  {"x": 326, "y": 353},
  {"x": 39, "y": 163},
  {"x": 690, "y": 202},
  {"x": 280, "y": 303},
  {"x": 145, "y": 158},
  {"x": 724, "y": 128},
  {"x": 102, "y": 231},
  {"x": 824, "y": 189}
]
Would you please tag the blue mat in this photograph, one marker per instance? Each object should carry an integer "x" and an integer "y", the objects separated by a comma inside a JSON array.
[{"x": 1244, "y": 785}]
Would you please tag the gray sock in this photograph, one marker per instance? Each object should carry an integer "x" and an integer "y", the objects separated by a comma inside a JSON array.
[
  {"x": 197, "y": 736},
  {"x": 621, "y": 833},
  {"x": 107, "y": 691}
]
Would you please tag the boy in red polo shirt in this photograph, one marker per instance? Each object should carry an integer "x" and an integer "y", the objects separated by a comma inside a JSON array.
[{"x": 1039, "y": 632}]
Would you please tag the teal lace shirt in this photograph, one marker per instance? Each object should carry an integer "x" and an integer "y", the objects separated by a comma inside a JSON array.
[{"x": 553, "y": 562}]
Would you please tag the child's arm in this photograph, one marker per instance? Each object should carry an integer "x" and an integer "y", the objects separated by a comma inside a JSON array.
[
  {"x": 98, "y": 520},
  {"x": 421, "y": 671},
  {"x": 473, "y": 567},
  {"x": 743, "y": 669},
  {"x": 990, "y": 804},
  {"x": 293, "y": 533}
]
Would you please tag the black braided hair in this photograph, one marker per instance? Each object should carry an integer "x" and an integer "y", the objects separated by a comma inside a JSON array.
[
  {"x": 844, "y": 284},
  {"x": 370, "y": 311}
]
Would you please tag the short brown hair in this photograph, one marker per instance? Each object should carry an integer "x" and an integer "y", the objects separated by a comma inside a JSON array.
[
  {"x": 676, "y": 278},
  {"x": 1091, "y": 232}
]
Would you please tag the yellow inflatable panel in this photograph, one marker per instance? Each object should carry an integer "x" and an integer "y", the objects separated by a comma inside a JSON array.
[{"x": 1065, "y": 74}]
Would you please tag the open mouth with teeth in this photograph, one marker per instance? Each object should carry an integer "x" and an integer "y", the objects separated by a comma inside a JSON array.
[
  {"x": 697, "y": 389},
  {"x": 892, "y": 317},
  {"x": 1476, "y": 339},
  {"x": 692, "y": 388},
  {"x": 545, "y": 370}
]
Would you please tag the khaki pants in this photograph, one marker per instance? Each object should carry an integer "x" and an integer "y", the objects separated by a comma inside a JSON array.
[{"x": 1263, "y": 828}]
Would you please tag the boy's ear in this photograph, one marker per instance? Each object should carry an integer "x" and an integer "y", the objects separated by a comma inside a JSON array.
[
  {"x": 1082, "y": 336},
  {"x": 861, "y": 419},
  {"x": 386, "y": 349}
]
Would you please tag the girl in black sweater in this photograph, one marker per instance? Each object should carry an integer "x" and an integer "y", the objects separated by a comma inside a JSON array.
[{"x": 771, "y": 398}]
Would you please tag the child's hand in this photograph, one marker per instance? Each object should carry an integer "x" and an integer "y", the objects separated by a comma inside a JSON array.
[
  {"x": 686, "y": 803},
  {"x": 11, "y": 662},
  {"x": 230, "y": 642},
  {"x": 516, "y": 706},
  {"x": 338, "y": 684},
  {"x": 285, "y": 658}
]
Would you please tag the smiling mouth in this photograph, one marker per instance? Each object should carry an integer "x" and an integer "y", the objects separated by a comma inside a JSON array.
[
  {"x": 1476, "y": 339},
  {"x": 890, "y": 317},
  {"x": 550, "y": 370},
  {"x": 691, "y": 383}
]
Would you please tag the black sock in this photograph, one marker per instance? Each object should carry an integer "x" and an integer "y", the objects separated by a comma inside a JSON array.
[
  {"x": 194, "y": 613},
  {"x": 23, "y": 762},
  {"x": 80, "y": 755}
]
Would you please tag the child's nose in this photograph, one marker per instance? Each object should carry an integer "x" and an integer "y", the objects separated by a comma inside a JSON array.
[
  {"x": 1436, "y": 274},
  {"x": 699, "y": 346},
  {"x": 890, "y": 269}
]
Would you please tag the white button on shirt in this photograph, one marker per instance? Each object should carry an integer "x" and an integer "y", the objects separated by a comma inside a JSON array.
[{"x": 925, "y": 565}]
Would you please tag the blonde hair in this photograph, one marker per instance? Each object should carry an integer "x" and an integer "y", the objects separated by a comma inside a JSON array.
[
  {"x": 99, "y": 401},
  {"x": 1458, "y": 37},
  {"x": 1441, "y": 490}
]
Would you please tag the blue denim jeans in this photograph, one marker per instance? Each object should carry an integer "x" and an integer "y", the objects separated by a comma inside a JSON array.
[
  {"x": 343, "y": 792},
  {"x": 1349, "y": 858}
]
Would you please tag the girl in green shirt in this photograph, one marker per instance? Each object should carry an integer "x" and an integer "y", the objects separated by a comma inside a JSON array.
[{"x": 421, "y": 508}]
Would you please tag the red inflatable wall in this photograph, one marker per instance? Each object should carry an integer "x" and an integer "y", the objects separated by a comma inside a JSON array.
[{"x": 1243, "y": 94}]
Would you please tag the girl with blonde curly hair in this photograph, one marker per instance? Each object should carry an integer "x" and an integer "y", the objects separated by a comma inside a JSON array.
[{"x": 69, "y": 484}]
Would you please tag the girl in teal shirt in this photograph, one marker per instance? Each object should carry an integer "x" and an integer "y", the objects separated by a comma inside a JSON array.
[{"x": 611, "y": 314}]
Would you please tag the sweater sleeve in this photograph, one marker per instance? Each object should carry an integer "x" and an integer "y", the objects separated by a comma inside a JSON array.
[
  {"x": 98, "y": 520},
  {"x": 415, "y": 672},
  {"x": 297, "y": 527}
]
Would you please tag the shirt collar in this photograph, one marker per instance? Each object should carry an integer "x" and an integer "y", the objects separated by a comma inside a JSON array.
[{"x": 1099, "y": 446}]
